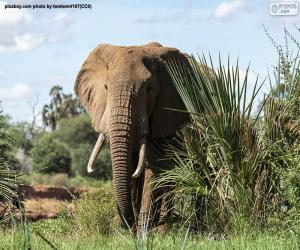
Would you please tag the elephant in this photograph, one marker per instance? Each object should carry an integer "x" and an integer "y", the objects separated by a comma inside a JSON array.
[{"x": 131, "y": 99}]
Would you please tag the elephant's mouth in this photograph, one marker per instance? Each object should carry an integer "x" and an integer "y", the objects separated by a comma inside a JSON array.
[{"x": 141, "y": 161}]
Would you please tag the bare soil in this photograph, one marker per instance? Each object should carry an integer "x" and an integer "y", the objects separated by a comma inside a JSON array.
[{"x": 44, "y": 202}]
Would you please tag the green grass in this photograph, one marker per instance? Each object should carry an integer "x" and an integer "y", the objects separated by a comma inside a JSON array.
[
  {"x": 59, "y": 180},
  {"x": 172, "y": 241}
]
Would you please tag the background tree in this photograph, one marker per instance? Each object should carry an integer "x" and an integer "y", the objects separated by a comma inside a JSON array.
[
  {"x": 61, "y": 106},
  {"x": 79, "y": 136},
  {"x": 50, "y": 155}
]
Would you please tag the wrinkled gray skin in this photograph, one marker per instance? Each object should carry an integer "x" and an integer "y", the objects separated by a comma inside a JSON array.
[{"x": 125, "y": 90}]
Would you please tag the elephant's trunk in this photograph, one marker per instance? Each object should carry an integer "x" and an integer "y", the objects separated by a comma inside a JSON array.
[{"x": 121, "y": 134}]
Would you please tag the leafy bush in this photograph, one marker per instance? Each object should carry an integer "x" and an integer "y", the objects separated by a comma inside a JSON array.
[
  {"x": 76, "y": 130},
  {"x": 8, "y": 143},
  {"x": 79, "y": 135},
  {"x": 50, "y": 155},
  {"x": 93, "y": 213},
  {"x": 25, "y": 135},
  {"x": 102, "y": 165}
]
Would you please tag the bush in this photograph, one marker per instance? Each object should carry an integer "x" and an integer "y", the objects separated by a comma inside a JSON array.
[
  {"x": 80, "y": 136},
  {"x": 95, "y": 211},
  {"x": 102, "y": 165},
  {"x": 8, "y": 143},
  {"x": 49, "y": 155},
  {"x": 75, "y": 131}
]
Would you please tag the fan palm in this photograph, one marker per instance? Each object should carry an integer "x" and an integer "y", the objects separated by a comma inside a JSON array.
[{"x": 222, "y": 161}]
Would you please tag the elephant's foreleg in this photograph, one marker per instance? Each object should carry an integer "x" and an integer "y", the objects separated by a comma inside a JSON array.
[
  {"x": 150, "y": 202},
  {"x": 165, "y": 210}
]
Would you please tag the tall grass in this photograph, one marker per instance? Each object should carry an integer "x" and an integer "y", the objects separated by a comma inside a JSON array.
[{"x": 225, "y": 175}]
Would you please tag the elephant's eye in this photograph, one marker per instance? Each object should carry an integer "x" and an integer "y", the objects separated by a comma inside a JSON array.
[{"x": 105, "y": 86}]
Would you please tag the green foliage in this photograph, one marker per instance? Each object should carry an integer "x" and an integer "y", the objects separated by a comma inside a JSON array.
[
  {"x": 50, "y": 155},
  {"x": 227, "y": 163},
  {"x": 282, "y": 119},
  {"x": 9, "y": 186},
  {"x": 25, "y": 135},
  {"x": 76, "y": 130},
  {"x": 8, "y": 143},
  {"x": 251, "y": 240},
  {"x": 93, "y": 213},
  {"x": 58, "y": 180},
  {"x": 102, "y": 165},
  {"x": 78, "y": 134}
]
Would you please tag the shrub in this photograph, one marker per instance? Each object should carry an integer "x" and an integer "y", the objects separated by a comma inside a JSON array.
[
  {"x": 8, "y": 143},
  {"x": 50, "y": 155},
  {"x": 76, "y": 130},
  {"x": 102, "y": 165},
  {"x": 79, "y": 135},
  {"x": 95, "y": 211}
]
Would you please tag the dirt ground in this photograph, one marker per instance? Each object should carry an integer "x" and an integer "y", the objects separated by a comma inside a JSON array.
[{"x": 43, "y": 202}]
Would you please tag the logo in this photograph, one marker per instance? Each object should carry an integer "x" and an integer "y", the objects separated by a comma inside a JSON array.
[{"x": 283, "y": 8}]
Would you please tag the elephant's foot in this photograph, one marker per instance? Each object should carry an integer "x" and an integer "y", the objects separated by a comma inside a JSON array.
[{"x": 162, "y": 228}]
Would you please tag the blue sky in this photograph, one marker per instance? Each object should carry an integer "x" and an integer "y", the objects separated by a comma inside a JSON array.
[{"x": 40, "y": 48}]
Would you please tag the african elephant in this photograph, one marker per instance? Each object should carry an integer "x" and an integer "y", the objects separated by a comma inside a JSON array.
[{"x": 128, "y": 94}]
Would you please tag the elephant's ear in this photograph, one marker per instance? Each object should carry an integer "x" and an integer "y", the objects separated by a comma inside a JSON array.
[
  {"x": 90, "y": 86},
  {"x": 165, "y": 122}
]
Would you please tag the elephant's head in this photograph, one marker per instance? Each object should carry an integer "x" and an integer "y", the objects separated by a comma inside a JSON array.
[{"x": 127, "y": 92}]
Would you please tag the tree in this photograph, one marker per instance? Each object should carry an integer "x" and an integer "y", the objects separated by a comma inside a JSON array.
[
  {"x": 50, "y": 155},
  {"x": 61, "y": 106},
  {"x": 102, "y": 165},
  {"x": 80, "y": 137},
  {"x": 76, "y": 130}
]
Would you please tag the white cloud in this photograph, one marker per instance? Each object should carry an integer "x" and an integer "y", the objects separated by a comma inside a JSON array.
[
  {"x": 1, "y": 73},
  {"x": 18, "y": 91},
  {"x": 15, "y": 32},
  {"x": 62, "y": 17},
  {"x": 23, "y": 42},
  {"x": 13, "y": 16},
  {"x": 228, "y": 9},
  {"x": 21, "y": 31}
]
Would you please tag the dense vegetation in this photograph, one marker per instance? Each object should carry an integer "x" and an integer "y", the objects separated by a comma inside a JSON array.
[{"x": 234, "y": 170}]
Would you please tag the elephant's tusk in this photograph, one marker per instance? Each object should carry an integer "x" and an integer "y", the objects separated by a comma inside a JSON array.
[
  {"x": 95, "y": 153},
  {"x": 141, "y": 163}
]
